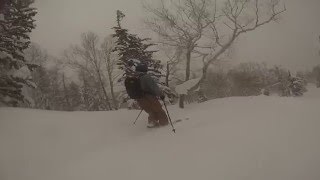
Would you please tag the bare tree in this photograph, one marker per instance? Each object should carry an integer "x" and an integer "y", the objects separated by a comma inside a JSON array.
[
  {"x": 222, "y": 27},
  {"x": 111, "y": 63},
  {"x": 181, "y": 26},
  {"x": 87, "y": 57},
  {"x": 34, "y": 54},
  {"x": 40, "y": 95},
  {"x": 86, "y": 76},
  {"x": 85, "y": 94},
  {"x": 65, "y": 93},
  {"x": 173, "y": 58},
  {"x": 239, "y": 19}
]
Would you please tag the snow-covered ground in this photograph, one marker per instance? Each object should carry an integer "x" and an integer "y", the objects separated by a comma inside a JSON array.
[{"x": 238, "y": 138}]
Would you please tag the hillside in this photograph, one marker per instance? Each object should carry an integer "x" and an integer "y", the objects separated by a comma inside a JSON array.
[{"x": 238, "y": 138}]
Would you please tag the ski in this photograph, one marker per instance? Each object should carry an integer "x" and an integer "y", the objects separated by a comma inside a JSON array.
[{"x": 173, "y": 122}]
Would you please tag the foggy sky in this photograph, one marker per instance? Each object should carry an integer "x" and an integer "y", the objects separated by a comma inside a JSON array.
[{"x": 293, "y": 42}]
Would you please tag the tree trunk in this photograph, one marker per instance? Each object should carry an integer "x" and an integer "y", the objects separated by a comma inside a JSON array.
[
  {"x": 115, "y": 103},
  {"x": 109, "y": 71},
  {"x": 188, "y": 67},
  {"x": 104, "y": 91},
  {"x": 167, "y": 74},
  {"x": 66, "y": 97},
  {"x": 181, "y": 100},
  {"x": 84, "y": 95}
]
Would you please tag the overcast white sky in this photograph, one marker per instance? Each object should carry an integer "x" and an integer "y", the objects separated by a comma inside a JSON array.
[{"x": 293, "y": 43}]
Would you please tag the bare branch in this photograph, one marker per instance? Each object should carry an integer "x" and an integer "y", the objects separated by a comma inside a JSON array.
[{"x": 258, "y": 24}]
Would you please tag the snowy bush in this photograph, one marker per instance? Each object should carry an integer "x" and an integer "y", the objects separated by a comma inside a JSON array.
[
  {"x": 217, "y": 85},
  {"x": 287, "y": 85},
  {"x": 246, "y": 79},
  {"x": 297, "y": 86}
]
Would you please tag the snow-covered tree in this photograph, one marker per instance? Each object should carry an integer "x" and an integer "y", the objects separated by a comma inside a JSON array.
[
  {"x": 16, "y": 23},
  {"x": 297, "y": 86},
  {"x": 286, "y": 84},
  {"x": 130, "y": 46}
]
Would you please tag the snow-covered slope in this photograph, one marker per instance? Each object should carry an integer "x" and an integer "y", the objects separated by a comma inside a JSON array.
[{"x": 239, "y": 138}]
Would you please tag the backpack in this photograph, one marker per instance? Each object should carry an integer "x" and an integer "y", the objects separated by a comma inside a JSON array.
[{"x": 133, "y": 87}]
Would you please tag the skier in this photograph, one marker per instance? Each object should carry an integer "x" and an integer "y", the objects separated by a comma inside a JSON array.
[{"x": 143, "y": 88}]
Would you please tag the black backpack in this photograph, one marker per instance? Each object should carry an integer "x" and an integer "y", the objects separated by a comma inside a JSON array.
[{"x": 133, "y": 87}]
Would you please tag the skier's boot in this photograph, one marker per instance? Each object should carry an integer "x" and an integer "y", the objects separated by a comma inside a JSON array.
[{"x": 153, "y": 124}]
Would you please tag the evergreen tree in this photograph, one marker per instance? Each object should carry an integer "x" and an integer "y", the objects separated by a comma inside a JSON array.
[
  {"x": 16, "y": 23},
  {"x": 130, "y": 46}
]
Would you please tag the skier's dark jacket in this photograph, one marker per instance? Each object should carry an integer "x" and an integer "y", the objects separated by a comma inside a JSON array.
[{"x": 149, "y": 85}]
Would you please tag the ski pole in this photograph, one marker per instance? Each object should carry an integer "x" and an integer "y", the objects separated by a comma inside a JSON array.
[
  {"x": 165, "y": 106},
  {"x": 138, "y": 117}
]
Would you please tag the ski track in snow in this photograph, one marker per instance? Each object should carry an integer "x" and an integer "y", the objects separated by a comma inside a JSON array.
[{"x": 236, "y": 138}]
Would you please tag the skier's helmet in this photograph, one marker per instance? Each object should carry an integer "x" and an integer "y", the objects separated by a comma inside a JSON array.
[{"x": 142, "y": 68}]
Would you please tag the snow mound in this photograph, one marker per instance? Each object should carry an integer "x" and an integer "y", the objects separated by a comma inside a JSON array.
[{"x": 186, "y": 86}]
